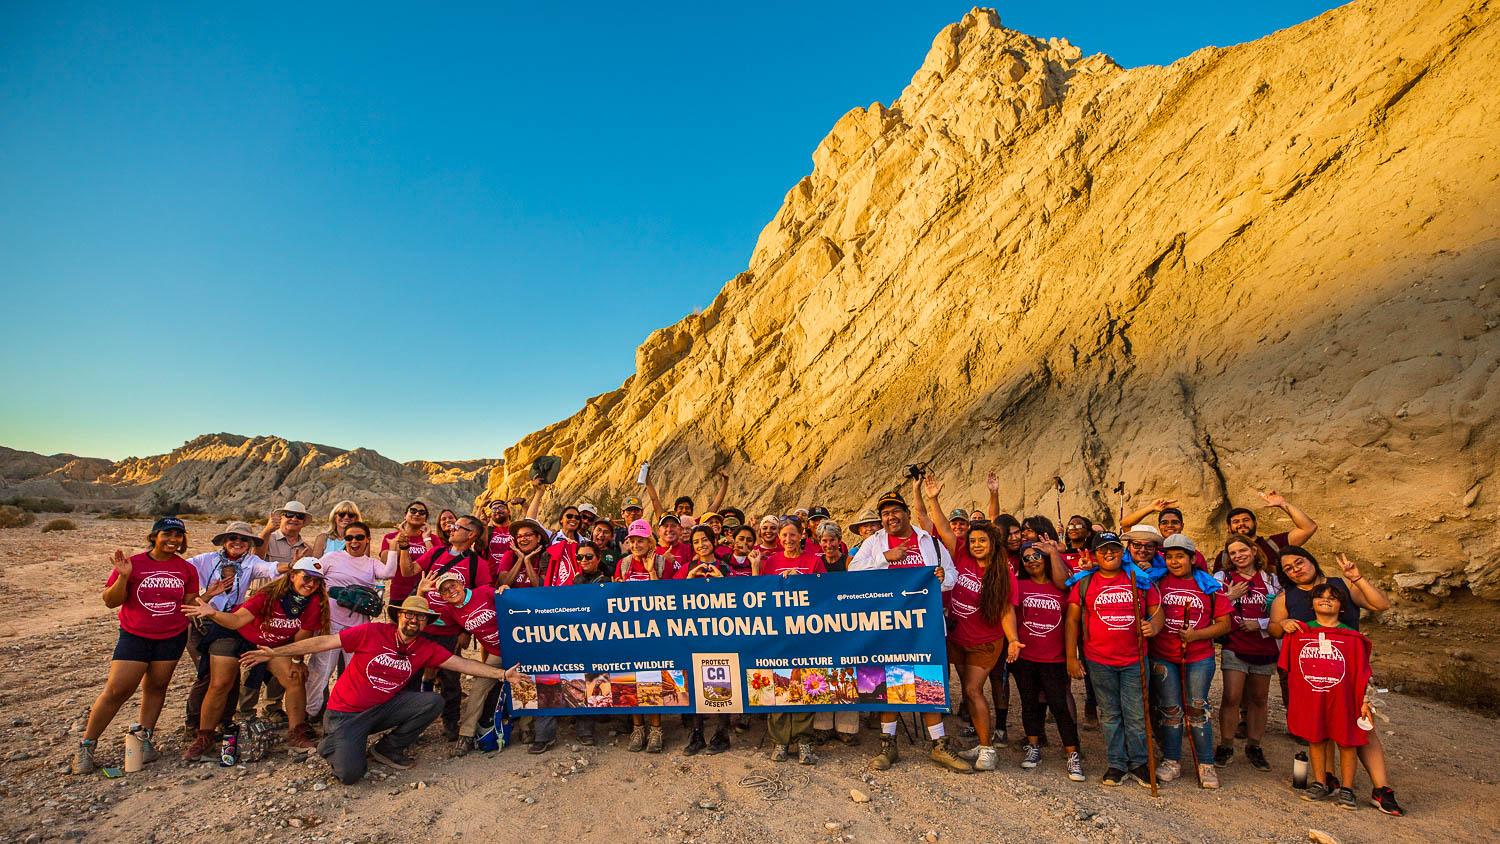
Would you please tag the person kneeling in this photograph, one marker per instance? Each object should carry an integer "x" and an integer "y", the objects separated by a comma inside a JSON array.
[{"x": 370, "y": 695}]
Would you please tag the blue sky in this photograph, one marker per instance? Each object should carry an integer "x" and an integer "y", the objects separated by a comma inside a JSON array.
[{"x": 341, "y": 223}]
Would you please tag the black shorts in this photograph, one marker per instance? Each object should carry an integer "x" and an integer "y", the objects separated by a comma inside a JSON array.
[{"x": 133, "y": 648}]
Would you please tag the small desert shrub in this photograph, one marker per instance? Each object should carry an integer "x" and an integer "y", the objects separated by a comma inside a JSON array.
[
  {"x": 12, "y": 516},
  {"x": 59, "y": 524},
  {"x": 33, "y": 504}
]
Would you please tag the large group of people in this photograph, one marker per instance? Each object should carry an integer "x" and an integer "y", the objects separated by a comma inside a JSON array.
[{"x": 338, "y": 639}]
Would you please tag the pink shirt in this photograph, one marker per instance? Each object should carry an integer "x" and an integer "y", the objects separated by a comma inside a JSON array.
[{"x": 154, "y": 594}]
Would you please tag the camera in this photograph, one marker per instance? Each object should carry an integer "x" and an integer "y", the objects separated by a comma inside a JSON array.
[{"x": 916, "y": 471}]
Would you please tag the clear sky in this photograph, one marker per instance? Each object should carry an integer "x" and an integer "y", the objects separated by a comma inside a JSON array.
[{"x": 423, "y": 231}]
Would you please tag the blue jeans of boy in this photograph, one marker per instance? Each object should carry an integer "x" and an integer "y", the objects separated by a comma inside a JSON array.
[
  {"x": 1166, "y": 694},
  {"x": 1122, "y": 712}
]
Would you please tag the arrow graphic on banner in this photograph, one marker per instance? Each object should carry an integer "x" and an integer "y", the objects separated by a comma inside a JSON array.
[
  {"x": 903, "y": 591},
  {"x": 513, "y": 612}
]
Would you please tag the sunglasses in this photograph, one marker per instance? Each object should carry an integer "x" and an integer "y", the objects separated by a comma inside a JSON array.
[
  {"x": 460, "y": 526},
  {"x": 1031, "y": 557},
  {"x": 229, "y": 539},
  {"x": 355, "y": 537},
  {"x": 1142, "y": 546},
  {"x": 582, "y": 557},
  {"x": 298, "y": 516},
  {"x": 343, "y": 515},
  {"x": 416, "y": 511},
  {"x": 570, "y": 515}
]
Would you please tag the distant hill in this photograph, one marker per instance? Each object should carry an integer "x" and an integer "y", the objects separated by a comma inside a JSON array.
[{"x": 229, "y": 473}]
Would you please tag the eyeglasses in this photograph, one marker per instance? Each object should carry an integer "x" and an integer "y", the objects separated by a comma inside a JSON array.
[
  {"x": 1032, "y": 557},
  {"x": 460, "y": 526},
  {"x": 355, "y": 537},
  {"x": 416, "y": 511},
  {"x": 1142, "y": 546},
  {"x": 582, "y": 557}
]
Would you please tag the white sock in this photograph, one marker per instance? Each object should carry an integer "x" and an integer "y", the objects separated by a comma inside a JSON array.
[
  {"x": 888, "y": 727},
  {"x": 935, "y": 731}
]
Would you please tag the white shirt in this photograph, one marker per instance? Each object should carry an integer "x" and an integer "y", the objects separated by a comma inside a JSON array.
[
  {"x": 248, "y": 568},
  {"x": 871, "y": 555}
]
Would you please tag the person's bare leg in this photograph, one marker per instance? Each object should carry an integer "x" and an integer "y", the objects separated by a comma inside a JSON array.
[
  {"x": 1258, "y": 691},
  {"x": 124, "y": 677},
  {"x": 1373, "y": 756},
  {"x": 1229, "y": 707},
  {"x": 223, "y": 673},
  {"x": 154, "y": 692},
  {"x": 979, "y": 709}
]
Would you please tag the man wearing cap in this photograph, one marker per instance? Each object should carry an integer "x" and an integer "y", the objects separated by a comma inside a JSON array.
[
  {"x": 958, "y": 520},
  {"x": 669, "y": 544},
  {"x": 499, "y": 542},
  {"x": 587, "y": 515},
  {"x": 282, "y": 538},
  {"x": 236, "y": 563},
  {"x": 899, "y": 544},
  {"x": 372, "y": 695},
  {"x": 630, "y": 512},
  {"x": 1243, "y": 521}
]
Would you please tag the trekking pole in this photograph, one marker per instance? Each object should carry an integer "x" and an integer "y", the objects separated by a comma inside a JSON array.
[
  {"x": 1182, "y": 676},
  {"x": 1140, "y": 647},
  {"x": 1120, "y": 490},
  {"x": 1059, "y": 489}
]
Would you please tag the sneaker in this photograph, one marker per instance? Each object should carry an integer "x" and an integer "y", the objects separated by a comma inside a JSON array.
[
  {"x": 779, "y": 754},
  {"x": 1033, "y": 756},
  {"x": 654, "y": 740},
  {"x": 1075, "y": 767},
  {"x": 1223, "y": 755},
  {"x": 149, "y": 753},
  {"x": 1385, "y": 800},
  {"x": 1112, "y": 777},
  {"x": 987, "y": 760},
  {"x": 971, "y": 754},
  {"x": 888, "y": 753},
  {"x": 539, "y": 747},
  {"x": 1208, "y": 777},
  {"x": 695, "y": 744},
  {"x": 302, "y": 738},
  {"x": 464, "y": 747},
  {"x": 1344, "y": 798},
  {"x": 805, "y": 755},
  {"x": 83, "y": 758},
  {"x": 637, "y": 739},
  {"x": 1242, "y": 731},
  {"x": 719, "y": 743},
  {"x": 1142, "y": 775},
  {"x": 1316, "y": 791},
  {"x": 967, "y": 731},
  {"x": 943, "y": 755},
  {"x": 203, "y": 749},
  {"x": 1000, "y": 739},
  {"x": 1256, "y": 756},
  {"x": 394, "y": 758},
  {"x": 1168, "y": 770}
]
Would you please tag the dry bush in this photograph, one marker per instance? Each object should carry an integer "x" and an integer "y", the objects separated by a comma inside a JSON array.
[
  {"x": 35, "y": 504},
  {"x": 12, "y": 516},
  {"x": 59, "y": 524}
]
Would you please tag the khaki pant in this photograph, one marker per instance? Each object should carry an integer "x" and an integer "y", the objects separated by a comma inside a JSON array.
[
  {"x": 789, "y": 727},
  {"x": 473, "y": 707},
  {"x": 844, "y": 720}
]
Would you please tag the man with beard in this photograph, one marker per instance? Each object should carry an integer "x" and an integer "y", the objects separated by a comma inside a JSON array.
[
  {"x": 1242, "y": 521},
  {"x": 500, "y": 539},
  {"x": 371, "y": 695},
  {"x": 898, "y": 544}
]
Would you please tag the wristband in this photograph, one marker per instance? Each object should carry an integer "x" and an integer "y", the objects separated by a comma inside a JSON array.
[{"x": 1357, "y": 579}]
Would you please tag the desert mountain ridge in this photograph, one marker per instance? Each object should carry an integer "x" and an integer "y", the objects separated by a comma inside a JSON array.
[
  {"x": 1266, "y": 266},
  {"x": 230, "y": 473}
]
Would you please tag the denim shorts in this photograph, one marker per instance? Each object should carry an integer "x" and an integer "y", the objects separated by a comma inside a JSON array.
[{"x": 1229, "y": 661}]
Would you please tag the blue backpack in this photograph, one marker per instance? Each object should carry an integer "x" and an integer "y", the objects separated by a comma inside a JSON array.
[{"x": 498, "y": 735}]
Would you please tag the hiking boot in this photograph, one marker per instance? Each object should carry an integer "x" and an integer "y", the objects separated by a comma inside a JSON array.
[
  {"x": 637, "y": 739},
  {"x": 1208, "y": 777},
  {"x": 943, "y": 755},
  {"x": 888, "y": 753},
  {"x": 302, "y": 738},
  {"x": 83, "y": 758},
  {"x": 654, "y": 740},
  {"x": 1385, "y": 800},
  {"x": 203, "y": 749},
  {"x": 1316, "y": 791},
  {"x": 1142, "y": 775},
  {"x": 1033, "y": 756},
  {"x": 464, "y": 747},
  {"x": 1075, "y": 767},
  {"x": 822, "y": 736},
  {"x": 394, "y": 758},
  {"x": 1223, "y": 755},
  {"x": 1344, "y": 798},
  {"x": 1168, "y": 770},
  {"x": 1255, "y": 755},
  {"x": 1112, "y": 777},
  {"x": 719, "y": 743},
  {"x": 778, "y": 753},
  {"x": 695, "y": 744},
  {"x": 805, "y": 755},
  {"x": 1242, "y": 731},
  {"x": 149, "y": 753},
  {"x": 987, "y": 760},
  {"x": 539, "y": 747},
  {"x": 848, "y": 739}
]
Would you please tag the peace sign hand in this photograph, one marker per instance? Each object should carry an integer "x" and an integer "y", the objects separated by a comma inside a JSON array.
[
  {"x": 1161, "y": 504},
  {"x": 1351, "y": 570}
]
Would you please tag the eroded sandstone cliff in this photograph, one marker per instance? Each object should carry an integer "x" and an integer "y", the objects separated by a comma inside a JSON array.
[{"x": 1267, "y": 266}]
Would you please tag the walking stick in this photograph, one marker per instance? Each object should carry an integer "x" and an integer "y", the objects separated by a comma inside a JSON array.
[
  {"x": 1059, "y": 489},
  {"x": 1140, "y": 647},
  {"x": 1182, "y": 676},
  {"x": 1120, "y": 490}
]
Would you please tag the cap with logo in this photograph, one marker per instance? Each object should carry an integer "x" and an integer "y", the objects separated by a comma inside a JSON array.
[
  {"x": 309, "y": 565},
  {"x": 1104, "y": 539},
  {"x": 639, "y": 527},
  {"x": 818, "y": 513},
  {"x": 631, "y": 503},
  {"x": 890, "y": 499},
  {"x": 959, "y": 515},
  {"x": 168, "y": 523}
]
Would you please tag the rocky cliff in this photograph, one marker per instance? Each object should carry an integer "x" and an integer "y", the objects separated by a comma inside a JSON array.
[
  {"x": 226, "y": 473},
  {"x": 1272, "y": 265}
]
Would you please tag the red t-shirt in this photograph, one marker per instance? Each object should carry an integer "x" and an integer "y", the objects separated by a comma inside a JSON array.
[
  {"x": 512, "y": 560},
  {"x": 681, "y": 552},
  {"x": 500, "y": 540},
  {"x": 629, "y": 568},
  {"x": 804, "y": 563},
  {"x": 970, "y": 627},
  {"x": 1110, "y": 633},
  {"x": 1269, "y": 545},
  {"x": 401, "y": 585},
  {"x": 1075, "y": 558},
  {"x": 380, "y": 666},
  {"x": 278, "y": 629},
  {"x": 562, "y": 563},
  {"x": 1251, "y": 606},
  {"x": 154, "y": 595},
  {"x": 909, "y": 546},
  {"x": 434, "y": 560},
  {"x": 737, "y": 567},
  {"x": 1040, "y": 613},
  {"x": 1327, "y": 669},
  {"x": 1187, "y": 606},
  {"x": 477, "y": 616}
]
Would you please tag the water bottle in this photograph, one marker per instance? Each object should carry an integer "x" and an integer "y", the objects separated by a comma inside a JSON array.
[
  {"x": 229, "y": 748},
  {"x": 640, "y": 477},
  {"x": 1299, "y": 770},
  {"x": 135, "y": 748}
]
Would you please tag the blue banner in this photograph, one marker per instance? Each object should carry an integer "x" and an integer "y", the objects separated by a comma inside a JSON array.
[{"x": 871, "y": 640}]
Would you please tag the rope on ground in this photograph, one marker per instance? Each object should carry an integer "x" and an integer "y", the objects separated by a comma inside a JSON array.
[{"x": 776, "y": 785}]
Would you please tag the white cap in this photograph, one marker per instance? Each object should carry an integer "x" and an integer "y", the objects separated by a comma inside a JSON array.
[
  {"x": 586, "y": 507},
  {"x": 295, "y": 507},
  {"x": 311, "y": 565},
  {"x": 1180, "y": 540}
]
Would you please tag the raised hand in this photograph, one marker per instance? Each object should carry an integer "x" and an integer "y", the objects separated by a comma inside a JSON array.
[
  {"x": 1048, "y": 545},
  {"x": 1272, "y": 498},
  {"x": 198, "y": 610},
  {"x": 931, "y": 486},
  {"x": 1161, "y": 504},
  {"x": 991, "y": 482},
  {"x": 217, "y": 588},
  {"x": 121, "y": 563},
  {"x": 274, "y": 520},
  {"x": 428, "y": 583},
  {"x": 1350, "y": 570}
]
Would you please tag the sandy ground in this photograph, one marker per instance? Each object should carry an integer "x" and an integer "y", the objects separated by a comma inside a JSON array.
[{"x": 56, "y": 638}]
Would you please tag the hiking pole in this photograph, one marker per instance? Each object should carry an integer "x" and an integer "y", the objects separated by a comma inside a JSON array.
[
  {"x": 1182, "y": 676},
  {"x": 1120, "y": 490},
  {"x": 1140, "y": 648},
  {"x": 1058, "y": 489}
]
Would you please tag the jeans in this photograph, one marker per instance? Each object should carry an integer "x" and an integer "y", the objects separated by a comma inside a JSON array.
[
  {"x": 1166, "y": 692},
  {"x": 1122, "y": 712},
  {"x": 345, "y": 733}
]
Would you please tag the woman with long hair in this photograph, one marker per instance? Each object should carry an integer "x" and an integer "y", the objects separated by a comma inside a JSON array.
[
  {"x": 352, "y": 576},
  {"x": 413, "y": 536},
  {"x": 1248, "y": 658},
  {"x": 982, "y": 608},
  {"x": 340, "y": 517}
]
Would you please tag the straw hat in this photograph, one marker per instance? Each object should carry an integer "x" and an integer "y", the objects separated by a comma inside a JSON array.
[{"x": 413, "y": 603}]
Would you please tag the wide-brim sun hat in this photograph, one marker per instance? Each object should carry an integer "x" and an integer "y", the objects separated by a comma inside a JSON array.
[
  {"x": 413, "y": 604},
  {"x": 242, "y": 529},
  {"x": 868, "y": 517}
]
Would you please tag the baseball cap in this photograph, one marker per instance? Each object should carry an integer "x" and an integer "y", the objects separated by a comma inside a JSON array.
[
  {"x": 586, "y": 507},
  {"x": 818, "y": 513},
  {"x": 1180, "y": 541},
  {"x": 1105, "y": 538},
  {"x": 171, "y": 523},
  {"x": 631, "y": 501},
  {"x": 663, "y": 520},
  {"x": 449, "y": 575},
  {"x": 310, "y": 565},
  {"x": 959, "y": 515},
  {"x": 639, "y": 527},
  {"x": 891, "y": 498}
]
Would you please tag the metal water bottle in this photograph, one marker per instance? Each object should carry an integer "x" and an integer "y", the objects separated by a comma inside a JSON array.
[
  {"x": 135, "y": 748},
  {"x": 640, "y": 477},
  {"x": 229, "y": 747},
  {"x": 1299, "y": 770}
]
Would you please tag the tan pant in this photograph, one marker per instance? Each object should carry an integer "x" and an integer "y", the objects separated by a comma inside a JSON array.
[
  {"x": 468, "y": 719},
  {"x": 844, "y": 720}
]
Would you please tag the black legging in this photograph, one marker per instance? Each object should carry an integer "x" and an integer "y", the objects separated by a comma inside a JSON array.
[{"x": 1035, "y": 678}]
